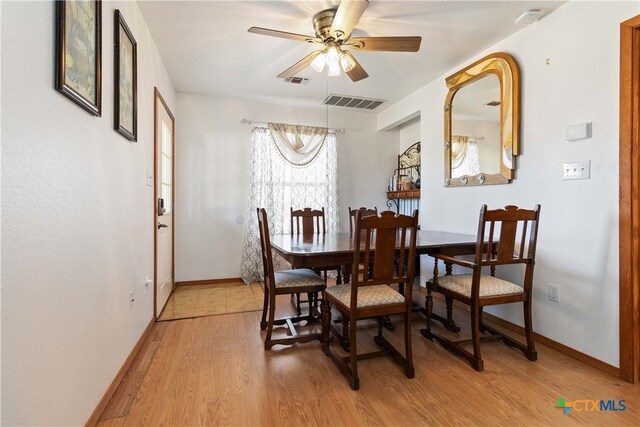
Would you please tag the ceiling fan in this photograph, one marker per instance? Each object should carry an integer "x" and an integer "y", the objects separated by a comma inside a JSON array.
[{"x": 333, "y": 29}]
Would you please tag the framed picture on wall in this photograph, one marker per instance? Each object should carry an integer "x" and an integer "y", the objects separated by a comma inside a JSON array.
[
  {"x": 125, "y": 80},
  {"x": 79, "y": 52}
]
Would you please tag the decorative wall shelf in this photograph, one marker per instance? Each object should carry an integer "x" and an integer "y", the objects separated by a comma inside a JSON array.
[
  {"x": 408, "y": 194},
  {"x": 407, "y": 200}
]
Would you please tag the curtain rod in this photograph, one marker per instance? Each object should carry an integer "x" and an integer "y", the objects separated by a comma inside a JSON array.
[{"x": 265, "y": 124}]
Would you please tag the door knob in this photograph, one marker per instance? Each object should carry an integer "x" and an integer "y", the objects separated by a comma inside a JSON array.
[{"x": 162, "y": 226}]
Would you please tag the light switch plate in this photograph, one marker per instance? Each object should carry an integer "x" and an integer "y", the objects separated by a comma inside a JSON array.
[
  {"x": 576, "y": 170},
  {"x": 149, "y": 178}
]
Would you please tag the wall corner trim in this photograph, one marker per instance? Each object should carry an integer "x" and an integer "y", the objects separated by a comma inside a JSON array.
[
  {"x": 208, "y": 281},
  {"x": 108, "y": 394}
]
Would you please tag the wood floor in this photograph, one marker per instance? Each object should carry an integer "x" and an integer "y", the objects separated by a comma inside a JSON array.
[{"x": 214, "y": 371}]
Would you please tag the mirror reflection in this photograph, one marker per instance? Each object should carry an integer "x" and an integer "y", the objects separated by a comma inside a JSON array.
[{"x": 475, "y": 128}]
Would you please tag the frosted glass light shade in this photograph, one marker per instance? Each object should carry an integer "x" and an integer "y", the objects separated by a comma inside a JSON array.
[
  {"x": 346, "y": 62},
  {"x": 334, "y": 69},
  {"x": 318, "y": 62}
]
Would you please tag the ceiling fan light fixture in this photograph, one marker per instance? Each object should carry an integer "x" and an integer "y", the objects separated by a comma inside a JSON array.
[
  {"x": 333, "y": 57},
  {"x": 334, "y": 69},
  {"x": 346, "y": 62},
  {"x": 319, "y": 62}
]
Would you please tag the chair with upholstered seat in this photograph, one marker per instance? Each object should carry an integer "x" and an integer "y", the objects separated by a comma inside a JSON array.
[
  {"x": 309, "y": 222},
  {"x": 284, "y": 283},
  {"x": 377, "y": 240},
  {"x": 517, "y": 230}
]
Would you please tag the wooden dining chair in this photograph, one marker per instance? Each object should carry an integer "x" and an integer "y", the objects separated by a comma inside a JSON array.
[
  {"x": 378, "y": 240},
  {"x": 363, "y": 212},
  {"x": 309, "y": 222},
  {"x": 284, "y": 282},
  {"x": 517, "y": 231}
]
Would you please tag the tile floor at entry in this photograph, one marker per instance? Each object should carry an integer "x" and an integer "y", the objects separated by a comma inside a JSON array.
[{"x": 208, "y": 300}]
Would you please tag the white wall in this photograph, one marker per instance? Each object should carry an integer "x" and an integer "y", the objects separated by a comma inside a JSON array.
[
  {"x": 409, "y": 134},
  {"x": 578, "y": 238},
  {"x": 77, "y": 222},
  {"x": 212, "y": 174}
]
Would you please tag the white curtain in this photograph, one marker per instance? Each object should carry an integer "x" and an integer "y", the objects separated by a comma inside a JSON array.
[
  {"x": 277, "y": 185},
  {"x": 465, "y": 158}
]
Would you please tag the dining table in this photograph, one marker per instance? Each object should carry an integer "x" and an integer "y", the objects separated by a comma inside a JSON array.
[{"x": 330, "y": 249}]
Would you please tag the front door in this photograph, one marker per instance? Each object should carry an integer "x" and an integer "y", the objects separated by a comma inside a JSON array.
[{"x": 164, "y": 206}]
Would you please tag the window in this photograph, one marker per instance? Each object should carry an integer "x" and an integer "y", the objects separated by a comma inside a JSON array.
[
  {"x": 277, "y": 185},
  {"x": 166, "y": 159}
]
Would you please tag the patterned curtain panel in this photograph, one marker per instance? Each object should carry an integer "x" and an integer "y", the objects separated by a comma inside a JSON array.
[{"x": 277, "y": 185}]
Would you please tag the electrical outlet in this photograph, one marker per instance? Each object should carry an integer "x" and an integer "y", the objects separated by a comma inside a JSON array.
[{"x": 554, "y": 293}]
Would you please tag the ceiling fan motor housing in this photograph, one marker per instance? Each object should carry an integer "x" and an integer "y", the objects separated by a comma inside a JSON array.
[{"x": 322, "y": 22}]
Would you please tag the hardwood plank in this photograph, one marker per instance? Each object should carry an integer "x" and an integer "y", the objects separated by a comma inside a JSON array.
[
  {"x": 108, "y": 395},
  {"x": 214, "y": 371},
  {"x": 112, "y": 422},
  {"x": 124, "y": 396}
]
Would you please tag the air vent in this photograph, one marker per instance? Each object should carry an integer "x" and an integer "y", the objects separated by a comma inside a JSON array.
[
  {"x": 297, "y": 80},
  {"x": 352, "y": 102}
]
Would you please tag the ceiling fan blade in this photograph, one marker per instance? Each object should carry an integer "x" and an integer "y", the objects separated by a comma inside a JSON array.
[
  {"x": 347, "y": 16},
  {"x": 389, "y": 44},
  {"x": 284, "y": 35},
  {"x": 299, "y": 66},
  {"x": 357, "y": 73}
]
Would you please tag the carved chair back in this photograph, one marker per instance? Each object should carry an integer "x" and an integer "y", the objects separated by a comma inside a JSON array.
[
  {"x": 510, "y": 235},
  {"x": 363, "y": 212},
  {"x": 307, "y": 221},
  {"x": 379, "y": 241}
]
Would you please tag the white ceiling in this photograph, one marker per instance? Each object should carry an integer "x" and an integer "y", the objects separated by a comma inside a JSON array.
[{"x": 207, "y": 49}]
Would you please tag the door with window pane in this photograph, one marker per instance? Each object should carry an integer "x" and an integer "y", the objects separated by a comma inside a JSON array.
[{"x": 164, "y": 208}]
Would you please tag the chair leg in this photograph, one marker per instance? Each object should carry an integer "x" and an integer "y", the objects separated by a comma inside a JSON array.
[
  {"x": 428, "y": 306},
  {"x": 298, "y": 309},
  {"x": 353, "y": 356},
  {"x": 325, "y": 308},
  {"x": 295, "y": 301},
  {"x": 265, "y": 304},
  {"x": 531, "y": 353},
  {"x": 313, "y": 304},
  {"x": 449, "y": 302},
  {"x": 272, "y": 313},
  {"x": 449, "y": 324},
  {"x": 481, "y": 325},
  {"x": 476, "y": 361},
  {"x": 409, "y": 370},
  {"x": 345, "y": 334},
  {"x": 380, "y": 324}
]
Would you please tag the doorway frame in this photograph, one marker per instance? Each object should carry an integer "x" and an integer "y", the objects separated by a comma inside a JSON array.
[
  {"x": 629, "y": 213},
  {"x": 158, "y": 96}
]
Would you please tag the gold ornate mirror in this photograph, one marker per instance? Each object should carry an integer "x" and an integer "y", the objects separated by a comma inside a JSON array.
[{"x": 481, "y": 122}]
